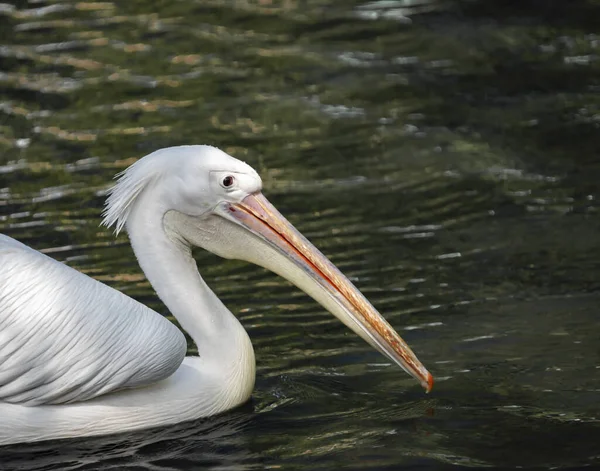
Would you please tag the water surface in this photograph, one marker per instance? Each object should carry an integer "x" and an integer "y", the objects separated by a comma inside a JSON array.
[{"x": 444, "y": 154}]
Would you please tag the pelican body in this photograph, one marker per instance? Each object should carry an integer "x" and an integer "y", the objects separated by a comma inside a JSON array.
[{"x": 78, "y": 358}]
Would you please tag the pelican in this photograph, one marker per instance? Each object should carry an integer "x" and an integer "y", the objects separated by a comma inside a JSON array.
[{"x": 78, "y": 358}]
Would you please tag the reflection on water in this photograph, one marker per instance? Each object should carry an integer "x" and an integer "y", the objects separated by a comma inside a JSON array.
[
  {"x": 442, "y": 153},
  {"x": 217, "y": 442}
]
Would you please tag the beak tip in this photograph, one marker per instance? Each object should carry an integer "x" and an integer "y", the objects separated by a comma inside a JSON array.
[{"x": 428, "y": 384}]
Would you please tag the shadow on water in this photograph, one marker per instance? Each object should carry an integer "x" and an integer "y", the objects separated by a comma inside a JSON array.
[{"x": 444, "y": 154}]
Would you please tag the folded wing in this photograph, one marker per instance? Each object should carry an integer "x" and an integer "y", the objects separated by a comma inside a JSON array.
[{"x": 65, "y": 337}]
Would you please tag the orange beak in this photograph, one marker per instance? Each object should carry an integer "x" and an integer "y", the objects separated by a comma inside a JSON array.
[{"x": 260, "y": 217}]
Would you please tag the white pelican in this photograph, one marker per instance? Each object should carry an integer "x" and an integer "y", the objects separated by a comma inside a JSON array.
[{"x": 78, "y": 358}]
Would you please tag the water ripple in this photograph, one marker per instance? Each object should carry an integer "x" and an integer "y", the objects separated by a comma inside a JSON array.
[{"x": 445, "y": 161}]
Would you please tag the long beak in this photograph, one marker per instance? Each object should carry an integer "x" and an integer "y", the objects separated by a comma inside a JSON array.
[{"x": 260, "y": 217}]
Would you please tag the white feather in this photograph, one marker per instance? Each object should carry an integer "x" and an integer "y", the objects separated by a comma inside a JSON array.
[
  {"x": 64, "y": 336},
  {"x": 130, "y": 184}
]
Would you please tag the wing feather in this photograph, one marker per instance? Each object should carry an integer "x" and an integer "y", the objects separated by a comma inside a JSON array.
[{"x": 65, "y": 337}]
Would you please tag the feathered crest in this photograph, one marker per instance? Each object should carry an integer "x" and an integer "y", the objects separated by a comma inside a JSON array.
[
  {"x": 130, "y": 183},
  {"x": 135, "y": 179}
]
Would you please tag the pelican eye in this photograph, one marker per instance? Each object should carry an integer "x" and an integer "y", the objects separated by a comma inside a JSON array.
[{"x": 228, "y": 181}]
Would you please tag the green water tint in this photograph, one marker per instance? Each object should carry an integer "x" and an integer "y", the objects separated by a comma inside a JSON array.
[{"x": 443, "y": 154}]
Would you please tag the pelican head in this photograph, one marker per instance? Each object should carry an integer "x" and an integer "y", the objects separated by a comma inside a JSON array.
[{"x": 207, "y": 198}]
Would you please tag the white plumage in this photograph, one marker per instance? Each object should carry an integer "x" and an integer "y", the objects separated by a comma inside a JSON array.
[
  {"x": 59, "y": 344},
  {"x": 78, "y": 358}
]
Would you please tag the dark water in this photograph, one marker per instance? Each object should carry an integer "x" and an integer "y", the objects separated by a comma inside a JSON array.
[{"x": 444, "y": 154}]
